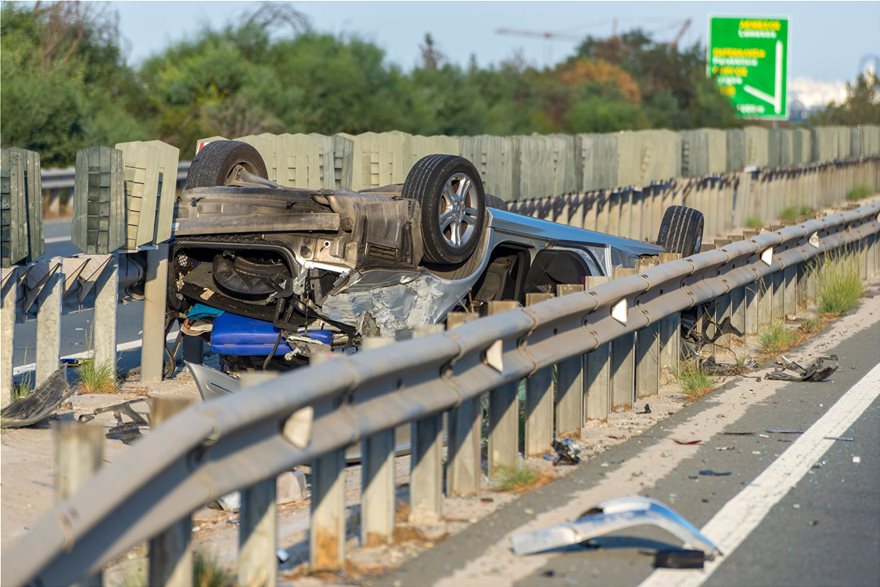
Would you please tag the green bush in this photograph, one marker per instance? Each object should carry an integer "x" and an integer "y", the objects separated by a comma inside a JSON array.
[
  {"x": 840, "y": 286},
  {"x": 860, "y": 192},
  {"x": 694, "y": 381},
  {"x": 778, "y": 339}
]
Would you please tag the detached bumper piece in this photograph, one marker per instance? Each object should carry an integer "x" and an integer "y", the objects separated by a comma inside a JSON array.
[{"x": 612, "y": 516}]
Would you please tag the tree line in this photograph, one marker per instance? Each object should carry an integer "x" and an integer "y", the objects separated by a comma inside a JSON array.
[{"x": 66, "y": 84}]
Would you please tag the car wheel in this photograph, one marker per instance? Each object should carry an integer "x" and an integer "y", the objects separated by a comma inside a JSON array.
[
  {"x": 681, "y": 230},
  {"x": 453, "y": 204},
  {"x": 222, "y": 163}
]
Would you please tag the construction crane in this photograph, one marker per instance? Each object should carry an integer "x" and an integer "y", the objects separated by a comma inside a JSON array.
[
  {"x": 547, "y": 35},
  {"x": 684, "y": 27}
]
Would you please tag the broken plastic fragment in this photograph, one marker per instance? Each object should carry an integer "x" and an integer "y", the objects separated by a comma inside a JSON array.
[
  {"x": 612, "y": 516},
  {"x": 820, "y": 369},
  {"x": 567, "y": 452}
]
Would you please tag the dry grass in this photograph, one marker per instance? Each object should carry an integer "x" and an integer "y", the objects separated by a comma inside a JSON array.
[
  {"x": 778, "y": 339},
  {"x": 520, "y": 479},
  {"x": 812, "y": 325},
  {"x": 206, "y": 573},
  {"x": 860, "y": 192},
  {"x": 754, "y": 222},
  {"x": 840, "y": 286},
  {"x": 694, "y": 382},
  {"x": 97, "y": 378}
]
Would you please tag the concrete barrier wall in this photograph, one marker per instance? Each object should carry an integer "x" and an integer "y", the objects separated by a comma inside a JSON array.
[{"x": 703, "y": 152}]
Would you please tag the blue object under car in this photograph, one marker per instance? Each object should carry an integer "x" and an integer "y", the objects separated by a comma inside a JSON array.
[{"x": 242, "y": 336}]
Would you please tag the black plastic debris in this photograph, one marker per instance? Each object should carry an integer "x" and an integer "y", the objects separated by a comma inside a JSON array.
[
  {"x": 713, "y": 473},
  {"x": 567, "y": 452},
  {"x": 679, "y": 558},
  {"x": 819, "y": 369},
  {"x": 645, "y": 410},
  {"x": 39, "y": 405},
  {"x": 125, "y": 430}
]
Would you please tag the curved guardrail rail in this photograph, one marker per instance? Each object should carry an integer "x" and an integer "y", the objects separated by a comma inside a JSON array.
[{"x": 233, "y": 442}]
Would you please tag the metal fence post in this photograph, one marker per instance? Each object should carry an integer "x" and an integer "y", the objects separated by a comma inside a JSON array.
[
  {"x": 79, "y": 452},
  {"x": 155, "y": 292},
  {"x": 426, "y": 483},
  {"x": 49, "y": 325},
  {"x": 647, "y": 351},
  {"x": 597, "y": 376},
  {"x": 106, "y": 303},
  {"x": 503, "y": 413},
  {"x": 257, "y": 521},
  {"x": 670, "y": 334},
  {"x": 539, "y": 400},
  {"x": 569, "y": 385},
  {"x": 327, "y": 523},
  {"x": 7, "y": 334},
  {"x": 170, "y": 552},
  {"x": 464, "y": 469},
  {"x": 377, "y": 476},
  {"x": 789, "y": 296},
  {"x": 623, "y": 360}
]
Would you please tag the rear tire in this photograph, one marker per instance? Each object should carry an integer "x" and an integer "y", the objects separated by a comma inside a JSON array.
[
  {"x": 222, "y": 163},
  {"x": 453, "y": 204},
  {"x": 681, "y": 231}
]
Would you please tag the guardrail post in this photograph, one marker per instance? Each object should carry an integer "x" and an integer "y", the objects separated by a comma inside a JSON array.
[
  {"x": 155, "y": 291},
  {"x": 647, "y": 351},
  {"x": 720, "y": 308},
  {"x": 7, "y": 335},
  {"x": 570, "y": 385},
  {"x": 539, "y": 400},
  {"x": 327, "y": 524},
  {"x": 49, "y": 325},
  {"x": 597, "y": 377},
  {"x": 789, "y": 296},
  {"x": 670, "y": 334},
  {"x": 257, "y": 521},
  {"x": 377, "y": 476},
  {"x": 79, "y": 452},
  {"x": 106, "y": 304},
  {"x": 777, "y": 297},
  {"x": 464, "y": 469},
  {"x": 503, "y": 413},
  {"x": 623, "y": 360},
  {"x": 426, "y": 481},
  {"x": 765, "y": 300},
  {"x": 170, "y": 552}
]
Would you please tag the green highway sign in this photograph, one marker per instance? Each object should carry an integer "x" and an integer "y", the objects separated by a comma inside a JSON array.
[{"x": 748, "y": 58}]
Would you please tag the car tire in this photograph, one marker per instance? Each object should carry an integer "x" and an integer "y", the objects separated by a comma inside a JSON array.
[
  {"x": 681, "y": 230},
  {"x": 222, "y": 162},
  {"x": 450, "y": 192}
]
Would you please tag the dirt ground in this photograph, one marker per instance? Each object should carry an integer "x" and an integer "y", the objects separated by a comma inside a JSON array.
[{"x": 26, "y": 475}]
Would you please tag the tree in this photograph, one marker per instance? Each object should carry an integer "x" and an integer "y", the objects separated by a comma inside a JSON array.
[{"x": 862, "y": 104}]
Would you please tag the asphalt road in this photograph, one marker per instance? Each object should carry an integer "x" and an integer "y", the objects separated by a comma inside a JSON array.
[
  {"x": 824, "y": 531},
  {"x": 75, "y": 328}
]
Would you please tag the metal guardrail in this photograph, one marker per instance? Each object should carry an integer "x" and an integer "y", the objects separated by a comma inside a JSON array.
[
  {"x": 63, "y": 179},
  {"x": 230, "y": 443}
]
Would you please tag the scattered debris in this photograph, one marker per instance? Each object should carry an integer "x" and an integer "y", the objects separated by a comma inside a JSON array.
[
  {"x": 646, "y": 410},
  {"x": 857, "y": 460},
  {"x": 738, "y": 433},
  {"x": 679, "y": 558},
  {"x": 723, "y": 448},
  {"x": 686, "y": 442},
  {"x": 567, "y": 452},
  {"x": 784, "y": 431},
  {"x": 816, "y": 371},
  {"x": 713, "y": 473},
  {"x": 840, "y": 438},
  {"x": 712, "y": 367},
  {"x": 40, "y": 404},
  {"x": 613, "y": 516},
  {"x": 126, "y": 431}
]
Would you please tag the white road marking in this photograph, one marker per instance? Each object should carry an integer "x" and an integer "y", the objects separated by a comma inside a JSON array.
[
  {"x": 736, "y": 520},
  {"x": 124, "y": 346},
  {"x": 57, "y": 239}
]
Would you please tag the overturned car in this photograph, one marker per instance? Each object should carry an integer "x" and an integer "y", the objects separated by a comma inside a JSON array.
[{"x": 273, "y": 274}]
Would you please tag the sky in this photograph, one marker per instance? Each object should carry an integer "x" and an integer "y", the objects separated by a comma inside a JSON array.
[{"x": 828, "y": 40}]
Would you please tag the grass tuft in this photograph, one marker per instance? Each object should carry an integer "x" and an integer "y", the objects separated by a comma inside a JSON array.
[
  {"x": 97, "y": 378},
  {"x": 694, "y": 382},
  {"x": 812, "y": 325},
  {"x": 778, "y": 339},
  {"x": 839, "y": 285},
  {"x": 754, "y": 222},
  {"x": 519, "y": 479},
  {"x": 792, "y": 213},
  {"x": 860, "y": 192}
]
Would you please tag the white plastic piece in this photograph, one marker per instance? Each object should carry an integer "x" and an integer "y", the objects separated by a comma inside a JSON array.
[
  {"x": 495, "y": 356},
  {"x": 298, "y": 427},
  {"x": 619, "y": 311},
  {"x": 814, "y": 240},
  {"x": 767, "y": 256}
]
